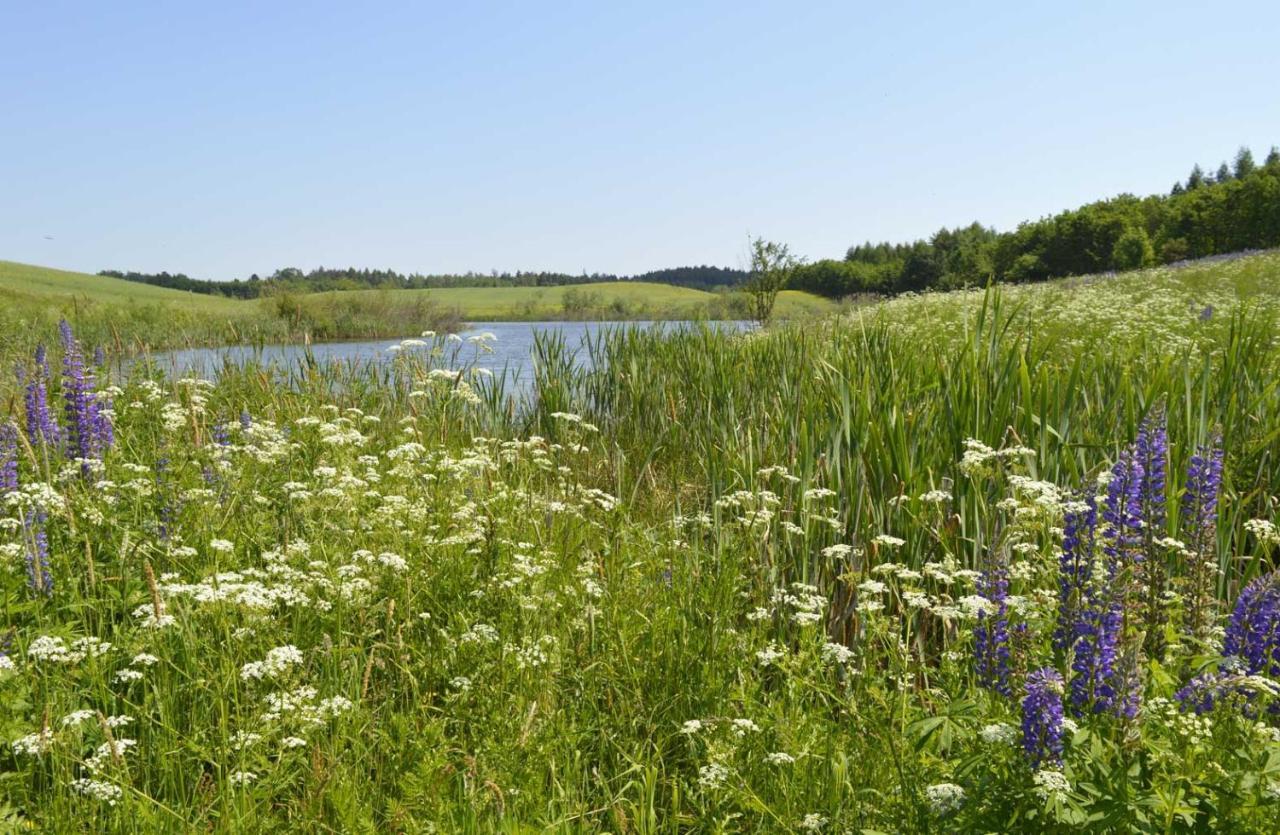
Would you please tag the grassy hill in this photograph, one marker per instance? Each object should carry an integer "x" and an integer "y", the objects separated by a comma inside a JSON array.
[
  {"x": 24, "y": 283},
  {"x": 109, "y": 311},
  {"x": 113, "y": 311}
]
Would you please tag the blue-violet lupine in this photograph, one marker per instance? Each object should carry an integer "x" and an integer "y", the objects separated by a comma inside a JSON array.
[{"x": 1042, "y": 718}]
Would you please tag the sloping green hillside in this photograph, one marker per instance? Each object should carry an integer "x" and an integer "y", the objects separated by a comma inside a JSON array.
[{"x": 25, "y": 281}]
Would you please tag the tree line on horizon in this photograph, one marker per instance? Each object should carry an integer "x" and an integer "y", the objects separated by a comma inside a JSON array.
[
  {"x": 1234, "y": 209},
  {"x": 326, "y": 279}
]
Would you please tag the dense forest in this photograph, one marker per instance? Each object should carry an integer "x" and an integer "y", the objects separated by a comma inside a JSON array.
[
  {"x": 1233, "y": 209},
  {"x": 322, "y": 279}
]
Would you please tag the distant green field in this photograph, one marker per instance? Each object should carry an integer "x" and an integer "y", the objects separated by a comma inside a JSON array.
[{"x": 603, "y": 300}]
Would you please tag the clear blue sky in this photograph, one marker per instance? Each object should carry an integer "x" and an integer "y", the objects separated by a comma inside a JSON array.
[{"x": 221, "y": 138}]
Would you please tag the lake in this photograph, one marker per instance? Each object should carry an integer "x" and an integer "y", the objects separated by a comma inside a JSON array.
[{"x": 511, "y": 348}]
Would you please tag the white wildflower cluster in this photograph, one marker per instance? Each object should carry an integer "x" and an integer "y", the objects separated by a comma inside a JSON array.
[
  {"x": 840, "y": 551},
  {"x": 771, "y": 654},
  {"x": 534, "y": 653},
  {"x": 801, "y": 604},
  {"x": 479, "y": 633},
  {"x": 33, "y": 745},
  {"x": 778, "y": 471},
  {"x": 1036, "y": 498},
  {"x": 713, "y": 775},
  {"x": 51, "y": 649},
  {"x": 1195, "y": 729},
  {"x": 99, "y": 790},
  {"x": 36, "y": 496},
  {"x": 304, "y": 707},
  {"x": 906, "y": 583},
  {"x": 999, "y": 733},
  {"x": 833, "y": 653},
  {"x": 280, "y": 584},
  {"x": 981, "y": 460},
  {"x": 569, "y": 417},
  {"x": 944, "y": 798},
  {"x": 1051, "y": 784},
  {"x": 973, "y": 605},
  {"x": 278, "y": 661},
  {"x": 109, "y": 752},
  {"x": 1264, "y": 531},
  {"x": 148, "y": 618},
  {"x": 752, "y": 510}
]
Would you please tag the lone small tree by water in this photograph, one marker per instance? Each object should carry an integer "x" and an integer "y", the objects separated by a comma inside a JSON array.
[{"x": 771, "y": 267}]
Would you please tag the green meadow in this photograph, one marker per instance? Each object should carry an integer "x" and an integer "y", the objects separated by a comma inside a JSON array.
[
  {"x": 131, "y": 316},
  {"x": 989, "y": 561}
]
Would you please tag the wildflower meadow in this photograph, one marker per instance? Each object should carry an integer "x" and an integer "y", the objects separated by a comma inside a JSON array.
[{"x": 977, "y": 561}]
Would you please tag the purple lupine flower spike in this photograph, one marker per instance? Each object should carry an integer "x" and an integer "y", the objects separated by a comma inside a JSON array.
[
  {"x": 42, "y": 428},
  {"x": 1123, "y": 513},
  {"x": 1093, "y": 687},
  {"x": 1205, "y": 691},
  {"x": 1151, "y": 451},
  {"x": 991, "y": 635},
  {"x": 1100, "y": 683},
  {"x": 84, "y": 425},
  {"x": 1199, "y": 522},
  {"x": 103, "y": 430},
  {"x": 8, "y": 457},
  {"x": 1042, "y": 718},
  {"x": 1253, "y": 632},
  {"x": 1204, "y": 480},
  {"x": 1250, "y": 647},
  {"x": 1075, "y": 570}
]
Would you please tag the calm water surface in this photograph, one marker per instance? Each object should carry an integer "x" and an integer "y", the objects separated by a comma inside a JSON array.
[{"x": 510, "y": 350}]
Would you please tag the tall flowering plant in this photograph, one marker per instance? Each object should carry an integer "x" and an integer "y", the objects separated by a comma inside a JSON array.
[
  {"x": 8, "y": 457},
  {"x": 1199, "y": 521},
  {"x": 991, "y": 635},
  {"x": 1113, "y": 576},
  {"x": 1253, "y": 632},
  {"x": 41, "y": 424},
  {"x": 1042, "y": 719},
  {"x": 1151, "y": 452},
  {"x": 89, "y": 429},
  {"x": 1098, "y": 592}
]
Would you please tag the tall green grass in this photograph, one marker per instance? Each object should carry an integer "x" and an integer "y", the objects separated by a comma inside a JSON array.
[{"x": 879, "y": 403}]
